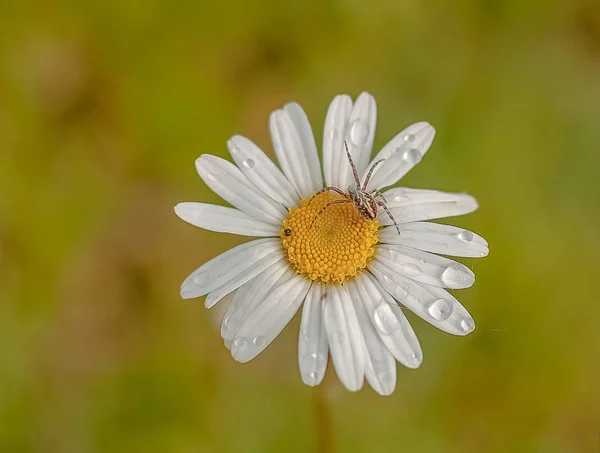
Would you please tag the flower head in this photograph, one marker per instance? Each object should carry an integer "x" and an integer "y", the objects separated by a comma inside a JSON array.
[{"x": 341, "y": 249}]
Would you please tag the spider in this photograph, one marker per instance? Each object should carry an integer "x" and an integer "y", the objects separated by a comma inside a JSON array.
[{"x": 365, "y": 202}]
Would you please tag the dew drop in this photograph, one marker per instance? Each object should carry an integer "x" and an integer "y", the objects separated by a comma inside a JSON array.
[
  {"x": 385, "y": 319},
  {"x": 412, "y": 270},
  {"x": 312, "y": 378},
  {"x": 409, "y": 138},
  {"x": 318, "y": 356},
  {"x": 235, "y": 150},
  {"x": 440, "y": 309},
  {"x": 359, "y": 133},
  {"x": 465, "y": 236},
  {"x": 456, "y": 277},
  {"x": 248, "y": 163},
  {"x": 387, "y": 280},
  {"x": 482, "y": 254},
  {"x": 240, "y": 343},
  {"x": 412, "y": 156},
  {"x": 467, "y": 325},
  {"x": 211, "y": 176},
  {"x": 393, "y": 254},
  {"x": 229, "y": 322},
  {"x": 258, "y": 341}
]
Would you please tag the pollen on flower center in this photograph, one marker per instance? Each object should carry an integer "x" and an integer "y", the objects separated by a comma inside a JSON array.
[{"x": 331, "y": 247}]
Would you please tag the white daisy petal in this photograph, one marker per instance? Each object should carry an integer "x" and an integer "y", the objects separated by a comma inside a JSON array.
[
  {"x": 224, "y": 220},
  {"x": 307, "y": 139},
  {"x": 401, "y": 154},
  {"x": 268, "y": 319},
  {"x": 380, "y": 366},
  {"x": 249, "y": 273},
  {"x": 412, "y": 205},
  {"x": 250, "y": 295},
  {"x": 261, "y": 171},
  {"x": 359, "y": 136},
  {"x": 346, "y": 344},
  {"x": 231, "y": 264},
  {"x": 227, "y": 181},
  {"x": 425, "y": 267},
  {"x": 390, "y": 322},
  {"x": 434, "y": 305},
  {"x": 336, "y": 124},
  {"x": 312, "y": 343},
  {"x": 436, "y": 238},
  {"x": 293, "y": 159}
]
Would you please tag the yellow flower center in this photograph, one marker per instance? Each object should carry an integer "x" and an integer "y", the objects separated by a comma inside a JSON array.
[{"x": 329, "y": 246}]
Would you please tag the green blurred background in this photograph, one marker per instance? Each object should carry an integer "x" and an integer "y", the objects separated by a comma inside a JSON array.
[{"x": 104, "y": 107}]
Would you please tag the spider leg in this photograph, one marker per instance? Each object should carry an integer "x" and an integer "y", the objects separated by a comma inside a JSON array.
[
  {"x": 390, "y": 215},
  {"x": 325, "y": 189},
  {"x": 370, "y": 173},
  {"x": 328, "y": 204},
  {"x": 354, "y": 170},
  {"x": 377, "y": 193}
]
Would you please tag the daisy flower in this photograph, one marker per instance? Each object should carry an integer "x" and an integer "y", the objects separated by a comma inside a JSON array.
[{"x": 350, "y": 258}]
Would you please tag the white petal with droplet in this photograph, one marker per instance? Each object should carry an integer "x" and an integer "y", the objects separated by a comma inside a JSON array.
[
  {"x": 390, "y": 323},
  {"x": 262, "y": 172},
  {"x": 425, "y": 267},
  {"x": 294, "y": 162},
  {"x": 229, "y": 265},
  {"x": 334, "y": 134},
  {"x": 436, "y": 238},
  {"x": 380, "y": 366},
  {"x": 227, "y": 181},
  {"x": 346, "y": 344},
  {"x": 250, "y": 295},
  {"x": 412, "y": 205},
  {"x": 401, "y": 154},
  {"x": 359, "y": 137},
  {"x": 224, "y": 220},
  {"x": 312, "y": 343},
  {"x": 263, "y": 325},
  {"x": 418, "y": 297}
]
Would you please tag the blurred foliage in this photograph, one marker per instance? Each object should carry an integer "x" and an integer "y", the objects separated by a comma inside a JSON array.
[{"x": 105, "y": 105}]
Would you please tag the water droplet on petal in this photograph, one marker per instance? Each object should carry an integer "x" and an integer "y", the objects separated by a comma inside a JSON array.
[
  {"x": 258, "y": 341},
  {"x": 455, "y": 276},
  {"x": 465, "y": 236},
  {"x": 211, "y": 176},
  {"x": 240, "y": 343},
  {"x": 440, "y": 310},
  {"x": 393, "y": 254},
  {"x": 235, "y": 150},
  {"x": 318, "y": 356},
  {"x": 312, "y": 378},
  {"x": 412, "y": 270},
  {"x": 385, "y": 319},
  {"x": 387, "y": 280},
  {"x": 409, "y": 138},
  {"x": 482, "y": 254},
  {"x": 412, "y": 156},
  {"x": 248, "y": 163},
  {"x": 359, "y": 133},
  {"x": 467, "y": 325}
]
